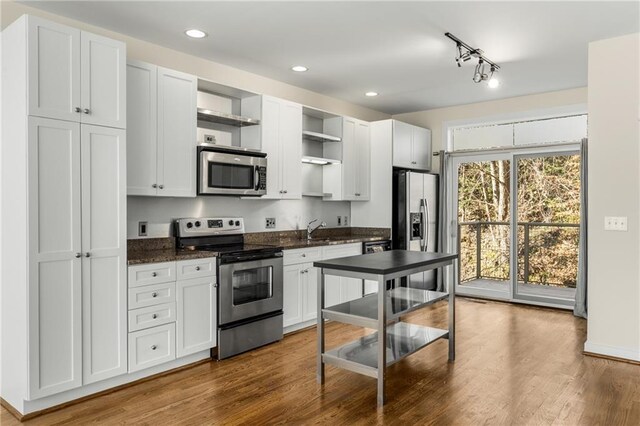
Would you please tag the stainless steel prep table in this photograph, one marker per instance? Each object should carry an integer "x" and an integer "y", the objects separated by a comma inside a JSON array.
[{"x": 381, "y": 311}]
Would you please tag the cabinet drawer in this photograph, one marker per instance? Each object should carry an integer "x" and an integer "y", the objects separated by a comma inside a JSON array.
[
  {"x": 152, "y": 295},
  {"x": 292, "y": 257},
  {"x": 153, "y": 273},
  {"x": 334, "y": 252},
  {"x": 196, "y": 268},
  {"x": 152, "y": 316},
  {"x": 151, "y": 347}
]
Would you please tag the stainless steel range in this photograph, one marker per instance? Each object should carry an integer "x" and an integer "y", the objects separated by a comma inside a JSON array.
[{"x": 249, "y": 282}]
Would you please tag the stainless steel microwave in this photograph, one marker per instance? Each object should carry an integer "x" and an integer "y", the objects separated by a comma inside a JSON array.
[{"x": 224, "y": 170}]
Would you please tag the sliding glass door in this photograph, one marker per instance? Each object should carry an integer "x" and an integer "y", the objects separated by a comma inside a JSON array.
[{"x": 516, "y": 224}]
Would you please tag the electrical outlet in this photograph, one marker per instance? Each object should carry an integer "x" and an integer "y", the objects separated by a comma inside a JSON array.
[
  {"x": 209, "y": 139},
  {"x": 142, "y": 229},
  {"x": 270, "y": 223},
  {"x": 615, "y": 223},
  {"x": 345, "y": 221},
  {"x": 339, "y": 220}
]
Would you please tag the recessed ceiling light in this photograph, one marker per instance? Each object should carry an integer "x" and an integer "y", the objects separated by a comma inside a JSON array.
[
  {"x": 193, "y": 33},
  {"x": 299, "y": 68},
  {"x": 371, "y": 94}
]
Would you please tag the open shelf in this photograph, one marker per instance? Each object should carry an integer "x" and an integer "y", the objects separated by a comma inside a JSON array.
[
  {"x": 403, "y": 339},
  {"x": 316, "y": 194},
  {"x": 319, "y": 137},
  {"x": 363, "y": 312},
  {"x": 319, "y": 160},
  {"x": 226, "y": 119}
]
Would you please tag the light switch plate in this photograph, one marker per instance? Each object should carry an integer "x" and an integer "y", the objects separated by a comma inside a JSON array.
[
  {"x": 615, "y": 223},
  {"x": 270, "y": 223}
]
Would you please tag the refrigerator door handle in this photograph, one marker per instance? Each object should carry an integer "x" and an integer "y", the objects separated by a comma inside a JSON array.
[{"x": 424, "y": 204}]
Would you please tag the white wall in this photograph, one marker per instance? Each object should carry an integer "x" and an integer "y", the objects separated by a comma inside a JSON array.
[
  {"x": 289, "y": 214},
  {"x": 614, "y": 190},
  {"x": 531, "y": 106}
]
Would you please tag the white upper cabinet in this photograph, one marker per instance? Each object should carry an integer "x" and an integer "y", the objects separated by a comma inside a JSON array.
[
  {"x": 177, "y": 125},
  {"x": 282, "y": 142},
  {"x": 103, "y": 90},
  {"x": 75, "y": 75},
  {"x": 356, "y": 163},
  {"x": 161, "y": 131},
  {"x": 104, "y": 270},
  {"x": 411, "y": 146}
]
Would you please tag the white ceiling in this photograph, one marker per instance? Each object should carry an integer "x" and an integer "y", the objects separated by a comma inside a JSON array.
[{"x": 395, "y": 48}]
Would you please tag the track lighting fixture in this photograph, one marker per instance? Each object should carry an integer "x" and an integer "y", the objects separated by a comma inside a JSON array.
[{"x": 466, "y": 52}]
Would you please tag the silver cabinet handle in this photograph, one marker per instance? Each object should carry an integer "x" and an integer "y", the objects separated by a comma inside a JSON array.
[
  {"x": 197, "y": 268},
  {"x": 357, "y": 194},
  {"x": 154, "y": 294},
  {"x": 154, "y": 347},
  {"x": 154, "y": 185},
  {"x": 161, "y": 186},
  {"x": 281, "y": 191},
  {"x": 154, "y": 274},
  {"x": 87, "y": 111},
  {"x": 154, "y": 316},
  {"x": 78, "y": 255},
  {"x": 87, "y": 254},
  {"x": 285, "y": 191},
  {"x": 304, "y": 255},
  {"x": 78, "y": 109}
]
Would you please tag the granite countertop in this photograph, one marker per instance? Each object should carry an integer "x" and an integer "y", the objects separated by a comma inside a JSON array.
[{"x": 156, "y": 250}]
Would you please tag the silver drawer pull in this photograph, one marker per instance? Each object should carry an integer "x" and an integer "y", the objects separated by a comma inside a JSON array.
[
  {"x": 78, "y": 109},
  {"x": 304, "y": 255},
  {"x": 154, "y": 316},
  {"x": 197, "y": 268},
  {"x": 154, "y": 294},
  {"x": 154, "y": 347},
  {"x": 87, "y": 111},
  {"x": 154, "y": 274},
  {"x": 78, "y": 255}
]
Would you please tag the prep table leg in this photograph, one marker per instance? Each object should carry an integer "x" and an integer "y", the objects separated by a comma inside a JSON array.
[
  {"x": 382, "y": 337},
  {"x": 320, "y": 373},
  {"x": 452, "y": 311}
]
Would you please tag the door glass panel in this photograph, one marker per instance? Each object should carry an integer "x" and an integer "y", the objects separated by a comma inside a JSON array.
[
  {"x": 230, "y": 176},
  {"x": 548, "y": 212},
  {"x": 252, "y": 285},
  {"x": 484, "y": 226}
]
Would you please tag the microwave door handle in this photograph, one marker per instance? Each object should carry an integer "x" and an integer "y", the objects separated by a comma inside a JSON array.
[{"x": 256, "y": 177}]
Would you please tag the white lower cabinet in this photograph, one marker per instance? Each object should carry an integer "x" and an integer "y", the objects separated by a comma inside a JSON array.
[
  {"x": 196, "y": 321},
  {"x": 301, "y": 283},
  {"x": 152, "y": 346},
  {"x": 170, "y": 319}
]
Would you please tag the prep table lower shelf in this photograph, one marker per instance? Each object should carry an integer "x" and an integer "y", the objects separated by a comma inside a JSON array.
[{"x": 403, "y": 339}]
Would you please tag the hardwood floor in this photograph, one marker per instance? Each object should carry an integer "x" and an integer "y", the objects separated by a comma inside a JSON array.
[{"x": 514, "y": 365}]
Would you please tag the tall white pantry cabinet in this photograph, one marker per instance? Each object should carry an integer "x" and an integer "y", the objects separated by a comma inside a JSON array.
[{"x": 63, "y": 209}]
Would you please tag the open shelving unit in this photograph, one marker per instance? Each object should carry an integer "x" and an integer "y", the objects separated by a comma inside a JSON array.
[{"x": 393, "y": 339}]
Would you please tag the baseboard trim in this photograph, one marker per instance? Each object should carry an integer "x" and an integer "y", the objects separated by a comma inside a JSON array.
[
  {"x": 31, "y": 415},
  {"x": 611, "y": 352}
]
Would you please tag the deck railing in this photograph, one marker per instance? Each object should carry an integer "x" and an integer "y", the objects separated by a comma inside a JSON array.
[{"x": 492, "y": 257}]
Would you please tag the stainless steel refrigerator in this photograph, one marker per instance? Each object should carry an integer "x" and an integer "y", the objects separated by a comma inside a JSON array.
[{"x": 415, "y": 219}]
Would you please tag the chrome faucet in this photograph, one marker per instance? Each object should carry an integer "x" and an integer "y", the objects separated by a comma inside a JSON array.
[{"x": 311, "y": 231}]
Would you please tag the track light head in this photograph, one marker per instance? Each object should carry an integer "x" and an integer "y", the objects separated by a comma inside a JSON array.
[
  {"x": 465, "y": 52},
  {"x": 479, "y": 74},
  {"x": 493, "y": 80}
]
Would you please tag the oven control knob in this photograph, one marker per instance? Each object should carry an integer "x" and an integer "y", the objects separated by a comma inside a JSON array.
[
  {"x": 189, "y": 225},
  {"x": 230, "y": 223},
  {"x": 237, "y": 223},
  {"x": 198, "y": 224}
]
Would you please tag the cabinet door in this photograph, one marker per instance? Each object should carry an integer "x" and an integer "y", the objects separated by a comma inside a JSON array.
[
  {"x": 363, "y": 162},
  {"x": 291, "y": 141},
  {"x": 271, "y": 112},
  {"x": 292, "y": 294},
  {"x": 332, "y": 290},
  {"x": 55, "y": 305},
  {"x": 176, "y": 133},
  {"x": 104, "y": 244},
  {"x": 421, "y": 140},
  {"x": 402, "y": 149},
  {"x": 196, "y": 321},
  {"x": 142, "y": 130},
  {"x": 349, "y": 159},
  {"x": 54, "y": 70},
  {"x": 103, "y": 88},
  {"x": 310, "y": 292}
]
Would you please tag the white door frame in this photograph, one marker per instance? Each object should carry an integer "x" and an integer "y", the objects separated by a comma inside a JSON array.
[{"x": 451, "y": 227}]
